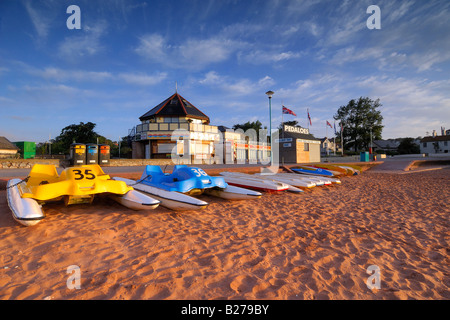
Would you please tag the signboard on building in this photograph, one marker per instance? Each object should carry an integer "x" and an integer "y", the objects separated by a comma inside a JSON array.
[
  {"x": 283, "y": 140},
  {"x": 296, "y": 129},
  {"x": 204, "y": 136}
]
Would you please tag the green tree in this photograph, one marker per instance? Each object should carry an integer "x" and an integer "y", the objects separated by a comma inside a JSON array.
[
  {"x": 408, "y": 146},
  {"x": 256, "y": 125},
  {"x": 360, "y": 118},
  {"x": 124, "y": 151},
  {"x": 83, "y": 133}
]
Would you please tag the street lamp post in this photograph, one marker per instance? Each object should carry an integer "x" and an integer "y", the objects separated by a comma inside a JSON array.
[{"x": 270, "y": 94}]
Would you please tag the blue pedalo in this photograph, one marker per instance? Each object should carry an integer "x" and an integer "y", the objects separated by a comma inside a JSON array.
[{"x": 184, "y": 179}]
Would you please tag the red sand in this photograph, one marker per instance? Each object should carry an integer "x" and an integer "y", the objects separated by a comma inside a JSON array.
[{"x": 316, "y": 245}]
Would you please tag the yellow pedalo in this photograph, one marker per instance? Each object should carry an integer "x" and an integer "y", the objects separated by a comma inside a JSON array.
[{"x": 76, "y": 185}]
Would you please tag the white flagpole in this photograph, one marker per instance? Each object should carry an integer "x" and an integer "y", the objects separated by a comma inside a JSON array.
[{"x": 334, "y": 138}]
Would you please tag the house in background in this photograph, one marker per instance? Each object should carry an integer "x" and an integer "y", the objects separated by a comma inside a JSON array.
[
  {"x": 385, "y": 146},
  {"x": 7, "y": 149},
  {"x": 436, "y": 144},
  {"x": 327, "y": 146}
]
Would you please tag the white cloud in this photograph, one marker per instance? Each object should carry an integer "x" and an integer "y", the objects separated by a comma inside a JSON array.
[
  {"x": 68, "y": 75},
  {"x": 152, "y": 47},
  {"x": 426, "y": 61},
  {"x": 142, "y": 79},
  {"x": 5, "y": 100},
  {"x": 266, "y": 81},
  {"x": 352, "y": 54},
  {"x": 211, "y": 78},
  {"x": 52, "y": 73},
  {"x": 265, "y": 57},
  {"x": 411, "y": 106},
  {"x": 191, "y": 54},
  {"x": 85, "y": 44},
  {"x": 40, "y": 21},
  {"x": 205, "y": 52},
  {"x": 236, "y": 87}
]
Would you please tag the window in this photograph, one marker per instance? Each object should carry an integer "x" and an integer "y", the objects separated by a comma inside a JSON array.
[
  {"x": 445, "y": 143},
  {"x": 305, "y": 146},
  {"x": 171, "y": 119},
  {"x": 424, "y": 144}
]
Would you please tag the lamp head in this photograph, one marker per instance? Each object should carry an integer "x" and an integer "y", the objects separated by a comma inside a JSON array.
[{"x": 270, "y": 94}]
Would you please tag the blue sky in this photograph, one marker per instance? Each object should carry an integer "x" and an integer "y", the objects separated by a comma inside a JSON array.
[{"x": 224, "y": 55}]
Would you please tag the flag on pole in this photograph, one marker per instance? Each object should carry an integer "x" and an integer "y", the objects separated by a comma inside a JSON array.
[
  {"x": 335, "y": 132},
  {"x": 329, "y": 124},
  {"x": 288, "y": 111},
  {"x": 309, "y": 118}
]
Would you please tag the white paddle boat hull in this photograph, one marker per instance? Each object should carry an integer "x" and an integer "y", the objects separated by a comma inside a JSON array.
[
  {"x": 233, "y": 193},
  {"x": 136, "y": 200},
  {"x": 26, "y": 211},
  {"x": 293, "y": 181},
  {"x": 252, "y": 182},
  {"x": 169, "y": 199}
]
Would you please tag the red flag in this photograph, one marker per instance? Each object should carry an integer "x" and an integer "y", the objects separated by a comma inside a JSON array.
[
  {"x": 329, "y": 124},
  {"x": 309, "y": 118},
  {"x": 288, "y": 111}
]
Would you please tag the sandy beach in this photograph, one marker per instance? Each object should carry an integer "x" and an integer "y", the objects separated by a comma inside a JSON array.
[{"x": 316, "y": 245}]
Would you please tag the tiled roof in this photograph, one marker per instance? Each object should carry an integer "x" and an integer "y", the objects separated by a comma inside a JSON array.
[
  {"x": 437, "y": 138},
  {"x": 175, "y": 105},
  {"x": 5, "y": 144}
]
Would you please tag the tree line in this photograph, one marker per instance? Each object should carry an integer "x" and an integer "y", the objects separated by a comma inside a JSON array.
[{"x": 83, "y": 133}]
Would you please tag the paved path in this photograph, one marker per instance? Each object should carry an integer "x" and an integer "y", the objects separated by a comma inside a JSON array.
[
  {"x": 393, "y": 166},
  {"x": 403, "y": 166}
]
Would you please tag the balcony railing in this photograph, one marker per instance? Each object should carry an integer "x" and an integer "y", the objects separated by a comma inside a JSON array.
[{"x": 145, "y": 127}]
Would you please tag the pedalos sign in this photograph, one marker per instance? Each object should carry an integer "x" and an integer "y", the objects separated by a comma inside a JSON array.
[{"x": 296, "y": 129}]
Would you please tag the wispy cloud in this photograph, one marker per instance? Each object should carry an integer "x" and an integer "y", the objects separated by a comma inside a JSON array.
[
  {"x": 265, "y": 57},
  {"x": 190, "y": 54},
  {"x": 86, "y": 42},
  {"x": 40, "y": 20},
  {"x": 236, "y": 87},
  {"x": 142, "y": 79},
  {"x": 62, "y": 75},
  {"x": 69, "y": 75}
]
